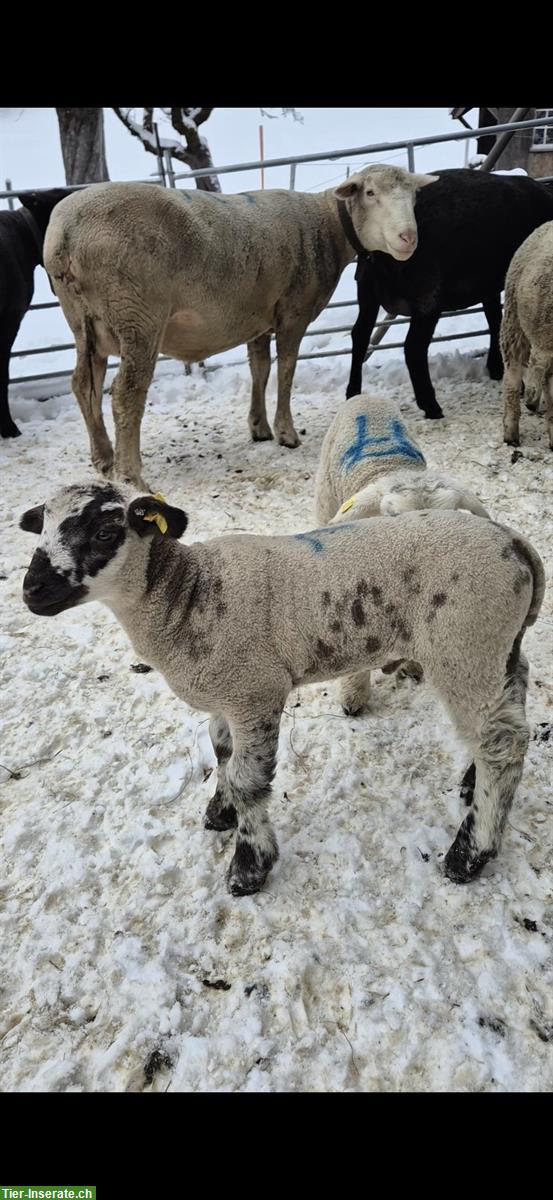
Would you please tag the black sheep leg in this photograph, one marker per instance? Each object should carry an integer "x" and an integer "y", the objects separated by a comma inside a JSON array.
[{"x": 417, "y": 342}]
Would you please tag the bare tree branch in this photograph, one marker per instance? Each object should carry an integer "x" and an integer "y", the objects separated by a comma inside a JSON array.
[
  {"x": 284, "y": 112},
  {"x": 195, "y": 153},
  {"x": 202, "y": 115}
]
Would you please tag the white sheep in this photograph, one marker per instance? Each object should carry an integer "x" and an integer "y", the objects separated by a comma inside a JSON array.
[
  {"x": 371, "y": 465},
  {"x": 141, "y": 269},
  {"x": 526, "y": 335},
  {"x": 236, "y": 623}
]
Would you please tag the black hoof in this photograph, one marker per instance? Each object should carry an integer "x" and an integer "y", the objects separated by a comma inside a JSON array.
[
  {"x": 433, "y": 413},
  {"x": 245, "y": 887},
  {"x": 10, "y": 430},
  {"x": 495, "y": 371},
  {"x": 248, "y": 870},
  {"x": 512, "y": 441},
  {"x": 219, "y": 816},
  {"x": 461, "y": 868}
]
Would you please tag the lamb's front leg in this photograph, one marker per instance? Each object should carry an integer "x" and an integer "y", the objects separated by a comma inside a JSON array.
[
  {"x": 220, "y": 814},
  {"x": 249, "y": 773}
]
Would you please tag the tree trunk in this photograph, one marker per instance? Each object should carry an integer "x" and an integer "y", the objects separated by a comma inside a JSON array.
[
  {"x": 82, "y": 144},
  {"x": 197, "y": 160}
]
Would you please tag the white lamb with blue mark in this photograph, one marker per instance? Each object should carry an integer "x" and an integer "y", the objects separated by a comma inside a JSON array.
[
  {"x": 371, "y": 465},
  {"x": 236, "y": 623}
]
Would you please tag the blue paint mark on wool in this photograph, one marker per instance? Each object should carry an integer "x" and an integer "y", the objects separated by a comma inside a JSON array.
[
  {"x": 314, "y": 538},
  {"x": 394, "y": 444}
]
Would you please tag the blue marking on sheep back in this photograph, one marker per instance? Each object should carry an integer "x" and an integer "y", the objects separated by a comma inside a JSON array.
[
  {"x": 313, "y": 539},
  {"x": 364, "y": 445}
]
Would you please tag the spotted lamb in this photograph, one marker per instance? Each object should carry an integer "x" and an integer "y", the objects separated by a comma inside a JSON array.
[{"x": 234, "y": 624}]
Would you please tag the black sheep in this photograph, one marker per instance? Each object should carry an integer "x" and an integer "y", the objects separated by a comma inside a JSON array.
[
  {"x": 21, "y": 239},
  {"x": 469, "y": 224}
]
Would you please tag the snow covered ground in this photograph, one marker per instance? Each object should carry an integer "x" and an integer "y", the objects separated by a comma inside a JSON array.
[{"x": 125, "y": 965}]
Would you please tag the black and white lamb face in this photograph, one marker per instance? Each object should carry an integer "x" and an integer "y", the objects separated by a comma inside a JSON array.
[{"x": 86, "y": 533}]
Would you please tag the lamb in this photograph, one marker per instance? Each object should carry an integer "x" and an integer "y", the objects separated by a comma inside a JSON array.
[
  {"x": 21, "y": 239},
  {"x": 371, "y": 465},
  {"x": 140, "y": 270},
  {"x": 527, "y": 331},
  {"x": 470, "y": 224},
  {"x": 234, "y": 624}
]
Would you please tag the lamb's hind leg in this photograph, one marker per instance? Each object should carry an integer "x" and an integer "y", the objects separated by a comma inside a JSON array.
[
  {"x": 499, "y": 762},
  {"x": 249, "y": 773},
  {"x": 219, "y": 814}
]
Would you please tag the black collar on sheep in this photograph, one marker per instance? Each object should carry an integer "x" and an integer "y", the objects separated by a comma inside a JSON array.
[{"x": 347, "y": 226}]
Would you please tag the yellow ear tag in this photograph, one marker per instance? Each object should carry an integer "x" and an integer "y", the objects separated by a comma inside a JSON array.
[
  {"x": 347, "y": 504},
  {"x": 157, "y": 517}
]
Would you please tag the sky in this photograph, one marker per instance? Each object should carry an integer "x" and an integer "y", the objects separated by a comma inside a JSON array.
[{"x": 30, "y": 153}]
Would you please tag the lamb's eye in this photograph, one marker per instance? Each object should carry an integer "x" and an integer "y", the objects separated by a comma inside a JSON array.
[
  {"x": 105, "y": 535},
  {"x": 369, "y": 192}
]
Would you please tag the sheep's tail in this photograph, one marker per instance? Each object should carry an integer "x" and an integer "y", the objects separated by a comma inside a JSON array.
[{"x": 531, "y": 559}]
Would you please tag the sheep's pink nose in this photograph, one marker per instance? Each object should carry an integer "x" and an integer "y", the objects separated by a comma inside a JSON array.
[{"x": 409, "y": 236}]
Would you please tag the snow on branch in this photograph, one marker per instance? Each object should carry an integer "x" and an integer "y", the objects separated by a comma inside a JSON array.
[{"x": 185, "y": 121}]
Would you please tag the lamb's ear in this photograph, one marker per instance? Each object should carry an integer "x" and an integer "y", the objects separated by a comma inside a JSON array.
[
  {"x": 423, "y": 180},
  {"x": 148, "y": 515},
  {"x": 33, "y": 520},
  {"x": 348, "y": 188}
]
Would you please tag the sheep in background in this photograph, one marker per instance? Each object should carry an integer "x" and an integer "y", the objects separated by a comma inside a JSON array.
[
  {"x": 234, "y": 624},
  {"x": 370, "y": 466},
  {"x": 21, "y": 240},
  {"x": 527, "y": 331},
  {"x": 470, "y": 224},
  {"x": 141, "y": 270}
]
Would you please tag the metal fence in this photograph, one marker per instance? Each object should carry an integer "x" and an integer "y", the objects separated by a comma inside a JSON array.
[{"x": 168, "y": 178}]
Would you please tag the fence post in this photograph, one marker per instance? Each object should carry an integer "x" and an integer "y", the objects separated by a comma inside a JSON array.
[
  {"x": 292, "y": 177},
  {"x": 411, "y": 156},
  {"x": 8, "y": 189},
  {"x": 160, "y": 158},
  {"x": 169, "y": 167}
]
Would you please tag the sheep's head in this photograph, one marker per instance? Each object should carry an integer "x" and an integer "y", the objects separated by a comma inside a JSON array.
[
  {"x": 86, "y": 534},
  {"x": 381, "y": 204}
]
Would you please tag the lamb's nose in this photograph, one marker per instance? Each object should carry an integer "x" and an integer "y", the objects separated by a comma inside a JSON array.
[{"x": 409, "y": 236}]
